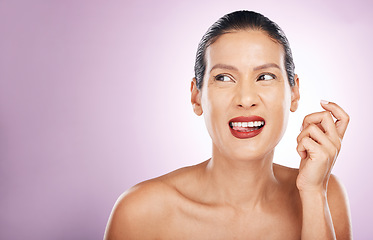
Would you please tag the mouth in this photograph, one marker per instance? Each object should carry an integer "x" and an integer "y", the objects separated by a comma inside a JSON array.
[{"x": 246, "y": 127}]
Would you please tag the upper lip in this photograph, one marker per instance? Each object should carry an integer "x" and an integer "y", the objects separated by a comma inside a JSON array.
[{"x": 251, "y": 118}]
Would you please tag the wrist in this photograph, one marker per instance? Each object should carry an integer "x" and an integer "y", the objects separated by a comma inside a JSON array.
[
  {"x": 312, "y": 193},
  {"x": 318, "y": 189}
]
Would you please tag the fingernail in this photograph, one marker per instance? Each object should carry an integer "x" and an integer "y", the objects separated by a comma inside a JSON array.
[
  {"x": 301, "y": 128},
  {"x": 324, "y": 102}
]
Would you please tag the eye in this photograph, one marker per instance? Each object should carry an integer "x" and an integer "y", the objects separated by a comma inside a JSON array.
[
  {"x": 266, "y": 77},
  {"x": 223, "y": 78}
]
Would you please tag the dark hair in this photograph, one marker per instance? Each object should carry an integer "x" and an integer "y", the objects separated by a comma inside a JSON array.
[{"x": 242, "y": 20}]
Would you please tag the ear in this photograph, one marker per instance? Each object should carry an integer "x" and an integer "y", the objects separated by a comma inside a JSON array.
[
  {"x": 196, "y": 98},
  {"x": 295, "y": 94}
]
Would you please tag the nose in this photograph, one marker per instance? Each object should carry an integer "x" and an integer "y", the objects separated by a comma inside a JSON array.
[{"x": 247, "y": 95}]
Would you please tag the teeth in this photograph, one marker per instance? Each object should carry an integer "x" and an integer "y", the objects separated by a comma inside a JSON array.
[{"x": 247, "y": 124}]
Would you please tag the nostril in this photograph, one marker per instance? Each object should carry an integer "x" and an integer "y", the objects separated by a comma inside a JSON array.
[{"x": 252, "y": 105}]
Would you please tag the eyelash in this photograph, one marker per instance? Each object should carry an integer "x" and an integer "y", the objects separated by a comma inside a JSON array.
[
  {"x": 269, "y": 74},
  {"x": 222, "y": 75},
  {"x": 260, "y": 76}
]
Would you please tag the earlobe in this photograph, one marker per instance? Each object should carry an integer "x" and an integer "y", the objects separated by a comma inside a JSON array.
[
  {"x": 196, "y": 98},
  {"x": 295, "y": 96}
]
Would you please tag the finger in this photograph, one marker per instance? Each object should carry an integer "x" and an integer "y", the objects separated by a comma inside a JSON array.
[
  {"x": 324, "y": 150},
  {"x": 319, "y": 126},
  {"x": 325, "y": 120},
  {"x": 315, "y": 133},
  {"x": 306, "y": 146},
  {"x": 342, "y": 117},
  {"x": 302, "y": 152},
  {"x": 314, "y": 151},
  {"x": 330, "y": 149}
]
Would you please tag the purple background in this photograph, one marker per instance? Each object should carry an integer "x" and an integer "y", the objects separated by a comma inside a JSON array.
[{"x": 94, "y": 98}]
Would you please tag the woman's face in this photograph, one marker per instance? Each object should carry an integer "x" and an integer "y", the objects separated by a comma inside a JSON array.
[{"x": 245, "y": 86}]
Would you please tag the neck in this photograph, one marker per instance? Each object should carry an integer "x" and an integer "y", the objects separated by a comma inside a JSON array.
[{"x": 245, "y": 183}]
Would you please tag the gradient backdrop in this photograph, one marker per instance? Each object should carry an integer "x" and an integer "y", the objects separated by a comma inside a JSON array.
[{"x": 94, "y": 98}]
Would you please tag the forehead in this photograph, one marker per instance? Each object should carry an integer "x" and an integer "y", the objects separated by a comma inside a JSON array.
[{"x": 245, "y": 49}]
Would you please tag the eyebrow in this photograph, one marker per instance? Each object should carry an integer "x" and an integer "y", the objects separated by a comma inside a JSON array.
[
  {"x": 267, "y": 65},
  {"x": 224, "y": 66},
  {"x": 230, "y": 67}
]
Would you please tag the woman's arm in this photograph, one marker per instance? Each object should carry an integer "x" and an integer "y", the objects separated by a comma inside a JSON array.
[
  {"x": 324, "y": 202},
  {"x": 339, "y": 209},
  {"x": 317, "y": 221},
  {"x": 326, "y": 216}
]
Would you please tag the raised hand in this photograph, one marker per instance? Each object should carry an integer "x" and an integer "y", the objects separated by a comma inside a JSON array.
[{"x": 319, "y": 143}]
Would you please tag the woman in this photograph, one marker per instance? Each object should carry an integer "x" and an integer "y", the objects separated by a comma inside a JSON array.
[{"x": 245, "y": 86}]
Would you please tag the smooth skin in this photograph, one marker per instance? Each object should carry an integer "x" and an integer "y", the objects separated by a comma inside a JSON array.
[{"x": 240, "y": 193}]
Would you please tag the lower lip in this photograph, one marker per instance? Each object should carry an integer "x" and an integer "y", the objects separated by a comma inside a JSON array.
[{"x": 243, "y": 135}]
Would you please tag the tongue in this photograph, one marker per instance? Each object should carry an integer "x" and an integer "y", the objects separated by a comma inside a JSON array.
[{"x": 245, "y": 129}]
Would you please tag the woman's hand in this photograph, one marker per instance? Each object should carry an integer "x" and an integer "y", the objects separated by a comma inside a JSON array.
[{"x": 318, "y": 146}]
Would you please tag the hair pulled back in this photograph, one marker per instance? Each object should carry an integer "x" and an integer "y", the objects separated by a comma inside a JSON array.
[{"x": 242, "y": 20}]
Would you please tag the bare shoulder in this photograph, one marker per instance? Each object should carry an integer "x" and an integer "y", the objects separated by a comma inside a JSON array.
[
  {"x": 339, "y": 208},
  {"x": 140, "y": 211},
  {"x": 137, "y": 207},
  {"x": 286, "y": 175}
]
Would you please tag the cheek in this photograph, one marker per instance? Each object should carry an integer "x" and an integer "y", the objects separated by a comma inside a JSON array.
[
  {"x": 215, "y": 102},
  {"x": 278, "y": 104},
  {"x": 280, "y": 97},
  {"x": 281, "y": 106},
  {"x": 210, "y": 110},
  {"x": 215, "y": 105}
]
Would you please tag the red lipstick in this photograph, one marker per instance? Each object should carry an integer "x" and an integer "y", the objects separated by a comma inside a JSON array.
[{"x": 246, "y": 127}]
